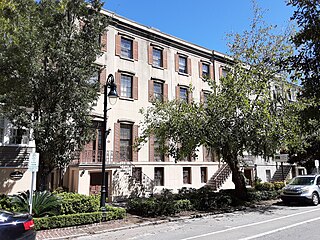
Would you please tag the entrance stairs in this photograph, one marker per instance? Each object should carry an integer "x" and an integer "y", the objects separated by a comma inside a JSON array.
[{"x": 219, "y": 177}]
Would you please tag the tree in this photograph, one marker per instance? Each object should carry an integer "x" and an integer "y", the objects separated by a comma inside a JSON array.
[
  {"x": 242, "y": 115},
  {"x": 306, "y": 66},
  {"x": 46, "y": 61}
]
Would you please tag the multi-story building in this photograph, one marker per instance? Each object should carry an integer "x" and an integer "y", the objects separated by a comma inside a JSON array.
[{"x": 147, "y": 64}]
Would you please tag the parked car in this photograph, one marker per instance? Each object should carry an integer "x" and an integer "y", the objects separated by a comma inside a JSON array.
[
  {"x": 14, "y": 226},
  {"x": 302, "y": 188}
]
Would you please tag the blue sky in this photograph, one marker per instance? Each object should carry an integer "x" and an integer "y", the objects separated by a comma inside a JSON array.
[{"x": 202, "y": 22}]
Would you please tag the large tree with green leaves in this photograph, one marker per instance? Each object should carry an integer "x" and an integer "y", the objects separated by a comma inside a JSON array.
[
  {"x": 46, "y": 61},
  {"x": 242, "y": 114},
  {"x": 306, "y": 66}
]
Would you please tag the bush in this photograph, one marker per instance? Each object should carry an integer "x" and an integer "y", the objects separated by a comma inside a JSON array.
[
  {"x": 76, "y": 219},
  {"x": 266, "y": 186},
  {"x": 43, "y": 203},
  {"x": 279, "y": 185},
  {"x": 73, "y": 203},
  {"x": 262, "y": 195},
  {"x": 5, "y": 203},
  {"x": 183, "y": 205}
]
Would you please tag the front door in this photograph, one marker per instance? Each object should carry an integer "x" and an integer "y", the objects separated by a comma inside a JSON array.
[{"x": 95, "y": 183}]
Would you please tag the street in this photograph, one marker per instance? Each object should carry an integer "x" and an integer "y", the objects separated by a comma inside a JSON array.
[{"x": 273, "y": 222}]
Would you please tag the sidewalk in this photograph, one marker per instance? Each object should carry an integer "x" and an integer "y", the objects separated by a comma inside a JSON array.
[{"x": 133, "y": 221}]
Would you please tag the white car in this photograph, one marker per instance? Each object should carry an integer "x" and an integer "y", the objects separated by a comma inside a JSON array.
[{"x": 302, "y": 188}]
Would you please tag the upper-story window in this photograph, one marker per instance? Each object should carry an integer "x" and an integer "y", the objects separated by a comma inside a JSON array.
[
  {"x": 183, "y": 64},
  {"x": 126, "y": 48},
  {"x": 158, "y": 154},
  {"x": 157, "y": 57},
  {"x": 125, "y": 142},
  {"x": 126, "y": 86},
  {"x": 158, "y": 91},
  {"x": 184, "y": 94},
  {"x": 205, "y": 70}
]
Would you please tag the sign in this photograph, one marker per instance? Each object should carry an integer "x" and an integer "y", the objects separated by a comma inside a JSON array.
[
  {"x": 33, "y": 164},
  {"x": 16, "y": 175},
  {"x": 316, "y": 163},
  {"x": 281, "y": 157}
]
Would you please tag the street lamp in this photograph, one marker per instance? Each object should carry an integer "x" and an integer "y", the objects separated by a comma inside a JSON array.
[{"x": 112, "y": 95}]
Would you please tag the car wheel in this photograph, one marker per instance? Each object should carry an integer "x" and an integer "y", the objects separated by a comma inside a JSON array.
[{"x": 315, "y": 199}]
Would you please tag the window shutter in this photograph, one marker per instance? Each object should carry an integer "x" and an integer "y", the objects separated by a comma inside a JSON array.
[
  {"x": 150, "y": 55},
  {"x": 150, "y": 90},
  {"x": 135, "y": 87},
  {"x": 211, "y": 72},
  {"x": 151, "y": 149},
  {"x": 134, "y": 136},
  {"x": 102, "y": 79},
  {"x": 201, "y": 97},
  {"x": 118, "y": 45},
  {"x": 176, "y": 58},
  {"x": 135, "y": 50},
  {"x": 200, "y": 69},
  {"x": 116, "y": 144},
  {"x": 220, "y": 72},
  {"x": 165, "y": 92},
  {"x": 165, "y": 61},
  {"x": 189, "y": 67},
  {"x": 103, "y": 41},
  {"x": 118, "y": 82},
  {"x": 178, "y": 92},
  {"x": 190, "y": 98}
]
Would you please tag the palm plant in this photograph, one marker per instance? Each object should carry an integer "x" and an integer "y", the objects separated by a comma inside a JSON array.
[{"x": 43, "y": 203}]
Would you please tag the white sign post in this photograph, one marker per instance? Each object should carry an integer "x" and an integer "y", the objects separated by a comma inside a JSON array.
[
  {"x": 33, "y": 166},
  {"x": 316, "y": 163}
]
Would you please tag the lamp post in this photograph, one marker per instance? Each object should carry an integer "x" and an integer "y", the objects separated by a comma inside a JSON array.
[{"x": 105, "y": 132}]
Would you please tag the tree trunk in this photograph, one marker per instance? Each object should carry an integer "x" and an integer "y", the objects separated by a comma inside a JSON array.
[{"x": 238, "y": 179}]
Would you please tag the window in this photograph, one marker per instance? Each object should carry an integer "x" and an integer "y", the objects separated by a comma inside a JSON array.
[
  {"x": 159, "y": 176},
  {"x": 184, "y": 94},
  {"x": 203, "y": 172},
  {"x": 158, "y": 155},
  {"x": 183, "y": 64},
  {"x": 209, "y": 155},
  {"x": 268, "y": 175},
  {"x": 157, "y": 57},
  {"x": 126, "y": 86},
  {"x": 1, "y": 129},
  {"x": 137, "y": 174},
  {"x": 125, "y": 142},
  {"x": 126, "y": 48},
  {"x": 205, "y": 70},
  {"x": 224, "y": 72},
  {"x": 187, "y": 175},
  {"x": 158, "y": 91},
  {"x": 18, "y": 136},
  {"x": 95, "y": 78}
]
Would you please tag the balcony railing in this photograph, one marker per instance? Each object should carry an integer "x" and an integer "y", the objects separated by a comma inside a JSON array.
[{"x": 95, "y": 157}]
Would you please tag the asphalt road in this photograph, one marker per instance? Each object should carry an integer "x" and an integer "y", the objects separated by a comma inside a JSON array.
[{"x": 263, "y": 223}]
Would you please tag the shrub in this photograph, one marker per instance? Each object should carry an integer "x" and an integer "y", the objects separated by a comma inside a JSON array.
[
  {"x": 5, "y": 203},
  {"x": 43, "y": 203},
  {"x": 78, "y": 203},
  {"x": 266, "y": 186},
  {"x": 262, "y": 195},
  {"x": 76, "y": 219},
  {"x": 183, "y": 205},
  {"x": 279, "y": 185}
]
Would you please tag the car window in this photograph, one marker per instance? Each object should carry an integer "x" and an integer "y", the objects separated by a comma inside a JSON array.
[
  {"x": 302, "y": 181},
  {"x": 318, "y": 181}
]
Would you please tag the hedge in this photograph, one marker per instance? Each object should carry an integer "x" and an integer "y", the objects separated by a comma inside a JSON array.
[{"x": 76, "y": 219}]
